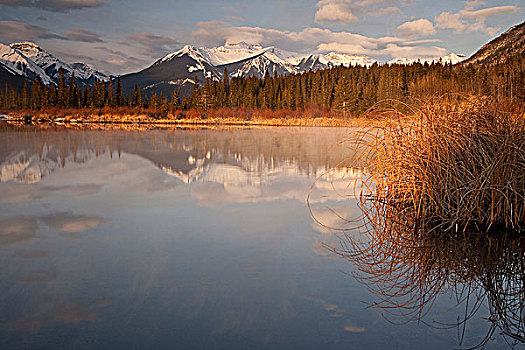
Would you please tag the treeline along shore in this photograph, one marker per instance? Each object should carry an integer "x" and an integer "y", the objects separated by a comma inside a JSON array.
[{"x": 333, "y": 96}]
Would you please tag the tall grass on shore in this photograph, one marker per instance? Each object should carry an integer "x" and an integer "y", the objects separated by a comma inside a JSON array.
[
  {"x": 458, "y": 165},
  {"x": 443, "y": 210}
]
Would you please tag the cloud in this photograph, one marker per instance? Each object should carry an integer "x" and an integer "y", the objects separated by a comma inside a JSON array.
[
  {"x": 447, "y": 20},
  {"x": 313, "y": 39},
  {"x": 19, "y": 193},
  {"x": 385, "y": 11},
  {"x": 41, "y": 18},
  {"x": 470, "y": 20},
  {"x": 470, "y": 5},
  {"x": 155, "y": 44},
  {"x": 417, "y": 28},
  {"x": 67, "y": 222},
  {"x": 17, "y": 228},
  {"x": 83, "y": 35},
  {"x": 14, "y": 31},
  {"x": 347, "y": 11},
  {"x": 335, "y": 11},
  {"x": 63, "y": 6}
]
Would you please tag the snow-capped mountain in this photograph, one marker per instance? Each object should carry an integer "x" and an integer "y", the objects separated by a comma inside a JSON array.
[
  {"x": 243, "y": 60},
  {"x": 330, "y": 60},
  {"x": 182, "y": 67},
  {"x": 52, "y": 65},
  {"x": 267, "y": 62},
  {"x": 17, "y": 63},
  {"x": 221, "y": 55},
  {"x": 448, "y": 59},
  {"x": 29, "y": 61},
  {"x": 337, "y": 59}
]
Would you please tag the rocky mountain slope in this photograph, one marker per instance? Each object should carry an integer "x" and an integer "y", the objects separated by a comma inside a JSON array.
[
  {"x": 180, "y": 69},
  {"x": 27, "y": 60},
  {"x": 500, "y": 50}
]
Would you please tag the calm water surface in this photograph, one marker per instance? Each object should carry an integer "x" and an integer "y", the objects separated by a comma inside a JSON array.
[{"x": 186, "y": 239}]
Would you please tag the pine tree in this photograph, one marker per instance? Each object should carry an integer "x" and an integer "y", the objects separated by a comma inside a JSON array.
[
  {"x": 73, "y": 95},
  {"x": 110, "y": 100},
  {"x": 120, "y": 93},
  {"x": 62, "y": 96},
  {"x": 175, "y": 100}
]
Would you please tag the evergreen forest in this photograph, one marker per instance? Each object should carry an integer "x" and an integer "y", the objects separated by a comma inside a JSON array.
[{"x": 346, "y": 91}]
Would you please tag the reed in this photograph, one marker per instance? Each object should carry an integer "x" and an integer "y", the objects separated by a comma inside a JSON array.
[
  {"x": 455, "y": 164},
  {"x": 443, "y": 210}
]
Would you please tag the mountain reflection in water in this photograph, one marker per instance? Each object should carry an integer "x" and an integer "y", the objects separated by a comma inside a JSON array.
[{"x": 188, "y": 239}]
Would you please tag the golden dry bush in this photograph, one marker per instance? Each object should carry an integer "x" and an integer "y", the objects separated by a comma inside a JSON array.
[
  {"x": 443, "y": 210},
  {"x": 456, "y": 164}
]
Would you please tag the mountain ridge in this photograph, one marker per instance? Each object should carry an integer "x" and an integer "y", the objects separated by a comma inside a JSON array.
[
  {"x": 502, "y": 48},
  {"x": 181, "y": 69},
  {"x": 29, "y": 60},
  {"x": 191, "y": 63}
]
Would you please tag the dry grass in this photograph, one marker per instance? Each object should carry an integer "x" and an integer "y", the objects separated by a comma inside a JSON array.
[
  {"x": 458, "y": 165},
  {"x": 443, "y": 209},
  {"x": 224, "y": 116}
]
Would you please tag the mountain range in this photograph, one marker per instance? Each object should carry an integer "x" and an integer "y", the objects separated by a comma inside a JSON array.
[
  {"x": 27, "y": 61},
  {"x": 24, "y": 61},
  {"x": 180, "y": 68}
]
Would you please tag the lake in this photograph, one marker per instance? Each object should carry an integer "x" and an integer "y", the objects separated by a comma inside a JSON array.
[{"x": 191, "y": 239}]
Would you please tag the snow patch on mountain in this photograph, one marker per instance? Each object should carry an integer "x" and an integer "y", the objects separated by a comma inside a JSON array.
[
  {"x": 231, "y": 52},
  {"x": 448, "y": 59},
  {"x": 52, "y": 65},
  {"x": 19, "y": 64},
  {"x": 338, "y": 59}
]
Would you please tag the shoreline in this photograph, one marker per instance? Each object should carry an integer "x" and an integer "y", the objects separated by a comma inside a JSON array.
[{"x": 138, "y": 121}]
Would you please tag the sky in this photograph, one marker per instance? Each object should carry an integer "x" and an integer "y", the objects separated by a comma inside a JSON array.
[{"x": 123, "y": 36}]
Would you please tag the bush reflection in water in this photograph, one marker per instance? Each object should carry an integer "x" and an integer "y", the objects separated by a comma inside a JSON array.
[{"x": 441, "y": 207}]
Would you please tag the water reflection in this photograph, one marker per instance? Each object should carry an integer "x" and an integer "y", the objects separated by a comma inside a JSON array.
[
  {"x": 182, "y": 239},
  {"x": 231, "y": 166},
  {"x": 198, "y": 238},
  {"x": 409, "y": 265}
]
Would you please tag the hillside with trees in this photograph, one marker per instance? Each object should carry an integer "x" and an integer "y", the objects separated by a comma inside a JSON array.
[{"x": 347, "y": 91}]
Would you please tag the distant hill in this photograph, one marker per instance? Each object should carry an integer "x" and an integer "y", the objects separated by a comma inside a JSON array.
[{"x": 504, "y": 47}]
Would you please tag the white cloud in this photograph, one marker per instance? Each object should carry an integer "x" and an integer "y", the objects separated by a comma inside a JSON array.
[
  {"x": 417, "y": 28},
  {"x": 347, "y": 11},
  {"x": 335, "y": 11},
  {"x": 68, "y": 222},
  {"x": 470, "y": 20},
  {"x": 447, "y": 20},
  {"x": 312, "y": 39},
  {"x": 470, "y": 5}
]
